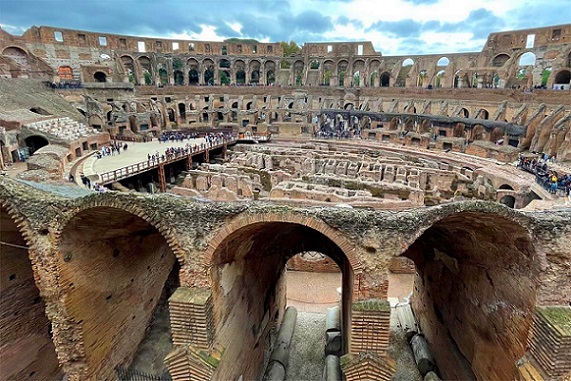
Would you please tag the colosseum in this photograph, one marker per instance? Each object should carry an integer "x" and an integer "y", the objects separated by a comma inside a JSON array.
[{"x": 167, "y": 203}]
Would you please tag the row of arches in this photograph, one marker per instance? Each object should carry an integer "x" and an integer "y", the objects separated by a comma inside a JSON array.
[{"x": 114, "y": 278}]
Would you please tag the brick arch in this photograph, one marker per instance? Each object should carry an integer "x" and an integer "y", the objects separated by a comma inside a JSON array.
[
  {"x": 470, "y": 207},
  {"x": 158, "y": 223},
  {"x": 43, "y": 271},
  {"x": 23, "y": 49},
  {"x": 486, "y": 255},
  {"x": 24, "y": 227},
  {"x": 311, "y": 222}
]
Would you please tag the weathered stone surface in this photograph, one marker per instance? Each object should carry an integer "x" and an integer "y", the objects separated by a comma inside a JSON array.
[{"x": 482, "y": 270}]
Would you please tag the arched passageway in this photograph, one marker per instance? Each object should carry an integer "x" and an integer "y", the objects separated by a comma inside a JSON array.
[
  {"x": 100, "y": 77},
  {"x": 474, "y": 294},
  {"x": 248, "y": 286},
  {"x": 35, "y": 142},
  {"x": 26, "y": 351},
  {"x": 114, "y": 268},
  {"x": 563, "y": 78},
  {"x": 508, "y": 201}
]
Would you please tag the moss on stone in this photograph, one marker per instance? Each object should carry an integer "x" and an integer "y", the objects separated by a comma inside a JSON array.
[
  {"x": 190, "y": 295},
  {"x": 559, "y": 317},
  {"x": 372, "y": 305}
]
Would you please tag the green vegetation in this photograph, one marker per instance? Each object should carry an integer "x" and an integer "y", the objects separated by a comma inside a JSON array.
[
  {"x": 371, "y": 305},
  {"x": 545, "y": 76},
  {"x": 148, "y": 79},
  {"x": 224, "y": 79},
  {"x": 342, "y": 78},
  {"x": 290, "y": 49},
  {"x": 327, "y": 77},
  {"x": 177, "y": 63},
  {"x": 235, "y": 40},
  {"x": 559, "y": 317}
]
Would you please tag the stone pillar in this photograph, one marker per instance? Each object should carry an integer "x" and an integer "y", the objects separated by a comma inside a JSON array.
[
  {"x": 193, "y": 356},
  {"x": 191, "y": 317},
  {"x": 262, "y": 74},
  {"x": 370, "y": 329}
]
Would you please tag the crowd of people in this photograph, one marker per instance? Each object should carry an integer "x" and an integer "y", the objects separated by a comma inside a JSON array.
[
  {"x": 111, "y": 149},
  {"x": 177, "y": 136},
  {"x": 550, "y": 179},
  {"x": 338, "y": 129},
  {"x": 211, "y": 139}
]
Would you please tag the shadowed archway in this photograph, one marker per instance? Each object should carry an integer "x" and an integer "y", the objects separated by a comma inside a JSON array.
[{"x": 474, "y": 293}]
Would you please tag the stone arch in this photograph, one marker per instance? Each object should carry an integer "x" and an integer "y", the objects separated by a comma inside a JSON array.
[
  {"x": 527, "y": 59},
  {"x": 147, "y": 70},
  {"x": 359, "y": 73},
  {"x": 422, "y": 78},
  {"x": 134, "y": 255},
  {"x": 341, "y": 71},
  {"x": 104, "y": 201},
  {"x": 463, "y": 113},
  {"x": 482, "y": 114},
  {"x": 385, "y": 80},
  {"x": 163, "y": 76},
  {"x": 407, "y": 62},
  {"x": 270, "y": 70},
  {"x": 241, "y": 249},
  {"x": 254, "y": 71},
  {"x": 240, "y": 71},
  {"x": 373, "y": 70},
  {"x": 19, "y": 56},
  {"x": 563, "y": 77},
  {"x": 405, "y": 69},
  {"x": 508, "y": 200},
  {"x": 443, "y": 61},
  {"x": 438, "y": 78},
  {"x": 500, "y": 60},
  {"x": 298, "y": 70},
  {"x": 328, "y": 69},
  {"x": 208, "y": 71},
  {"x": 478, "y": 133},
  {"x": 35, "y": 142},
  {"x": 100, "y": 76},
  {"x": 244, "y": 220},
  {"x": 487, "y": 257},
  {"x": 129, "y": 65},
  {"x": 26, "y": 329},
  {"x": 506, "y": 186},
  {"x": 496, "y": 134},
  {"x": 178, "y": 77}
]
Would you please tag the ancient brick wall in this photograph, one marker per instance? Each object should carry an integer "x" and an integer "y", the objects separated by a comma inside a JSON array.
[
  {"x": 322, "y": 265},
  {"x": 27, "y": 351}
]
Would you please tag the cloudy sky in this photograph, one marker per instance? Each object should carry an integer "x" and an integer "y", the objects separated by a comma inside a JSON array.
[{"x": 394, "y": 26}]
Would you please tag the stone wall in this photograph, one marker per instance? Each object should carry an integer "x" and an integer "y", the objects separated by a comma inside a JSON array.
[{"x": 483, "y": 268}]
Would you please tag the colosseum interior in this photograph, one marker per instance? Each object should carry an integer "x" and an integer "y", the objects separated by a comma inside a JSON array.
[{"x": 402, "y": 190}]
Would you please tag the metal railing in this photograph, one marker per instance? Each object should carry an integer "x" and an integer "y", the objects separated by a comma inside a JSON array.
[
  {"x": 134, "y": 375},
  {"x": 147, "y": 165}
]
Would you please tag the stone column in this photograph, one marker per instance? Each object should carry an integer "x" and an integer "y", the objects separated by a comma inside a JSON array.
[
  {"x": 185, "y": 75},
  {"x": 370, "y": 329},
  {"x": 262, "y": 74},
  {"x": 192, "y": 329}
]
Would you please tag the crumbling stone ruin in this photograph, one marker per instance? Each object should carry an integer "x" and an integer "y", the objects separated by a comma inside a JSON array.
[{"x": 358, "y": 163}]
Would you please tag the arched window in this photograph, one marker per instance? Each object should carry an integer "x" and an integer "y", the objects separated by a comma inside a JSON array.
[
  {"x": 527, "y": 59},
  {"x": 100, "y": 77},
  {"x": 444, "y": 61}
]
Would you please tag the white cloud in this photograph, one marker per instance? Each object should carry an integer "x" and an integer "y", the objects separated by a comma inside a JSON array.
[
  {"x": 235, "y": 26},
  {"x": 207, "y": 33}
]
